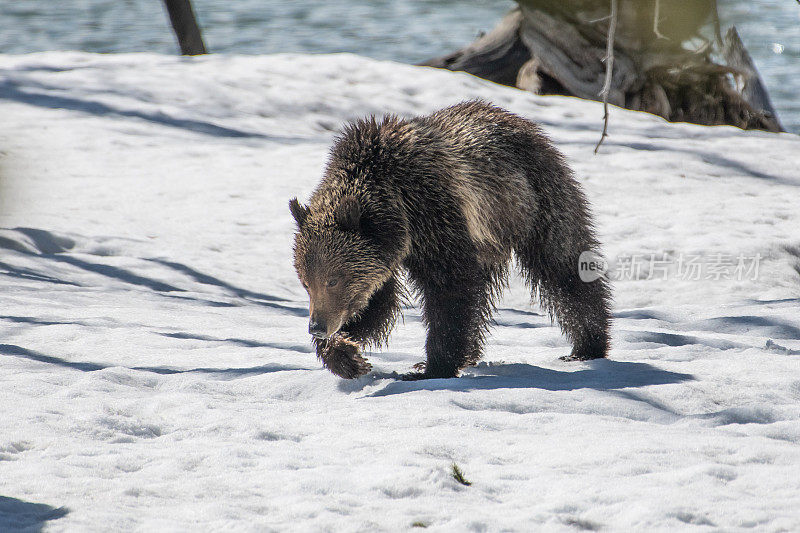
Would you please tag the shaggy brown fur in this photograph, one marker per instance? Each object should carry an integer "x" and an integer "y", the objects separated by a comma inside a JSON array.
[{"x": 447, "y": 198}]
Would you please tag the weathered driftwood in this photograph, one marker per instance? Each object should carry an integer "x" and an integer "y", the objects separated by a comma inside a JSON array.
[
  {"x": 748, "y": 82},
  {"x": 558, "y": 47},
  {"x": 497, "y": 56}
]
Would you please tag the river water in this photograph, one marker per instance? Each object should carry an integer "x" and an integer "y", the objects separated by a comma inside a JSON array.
[{"x": 401, "y": 30}]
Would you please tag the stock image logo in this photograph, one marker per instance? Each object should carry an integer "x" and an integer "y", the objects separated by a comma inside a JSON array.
[{"x": 591, "y": 266}]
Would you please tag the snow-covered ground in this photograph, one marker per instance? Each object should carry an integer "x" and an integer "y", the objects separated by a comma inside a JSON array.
[{"x": 156, "y": 373}]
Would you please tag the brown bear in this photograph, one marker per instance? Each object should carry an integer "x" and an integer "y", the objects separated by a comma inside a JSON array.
[{"x": 447, "y": 199}]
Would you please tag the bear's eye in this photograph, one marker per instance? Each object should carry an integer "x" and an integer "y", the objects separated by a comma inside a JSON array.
[
  {"x": 305, "y": 285},
  {"x": 333, "y": 282}
]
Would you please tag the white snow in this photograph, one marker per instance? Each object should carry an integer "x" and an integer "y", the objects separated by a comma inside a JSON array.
[{"x": 156, "y": 374}]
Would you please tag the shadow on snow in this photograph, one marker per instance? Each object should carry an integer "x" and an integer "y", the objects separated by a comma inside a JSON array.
[
  {"x": 9, "y": 90},
  {"x": 19, "y": 351},
  {"x": 48, "y": 245},
  {"x": 601, "y": 375},
  {"x": 19, "y": 515},
  {"x": 241, "y": 342}
]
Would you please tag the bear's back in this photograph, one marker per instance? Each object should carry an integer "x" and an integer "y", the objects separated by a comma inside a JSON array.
[{"x": 486, "y": 155}]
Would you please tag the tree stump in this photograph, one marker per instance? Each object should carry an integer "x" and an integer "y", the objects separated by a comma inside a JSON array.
[{"x": 664, "y": 61}]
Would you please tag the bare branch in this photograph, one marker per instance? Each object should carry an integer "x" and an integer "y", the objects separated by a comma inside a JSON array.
[
  {"x": 601, "y": 19},
  {"x": 612, "y": 27},
  {"x": 655, "y": 21}
]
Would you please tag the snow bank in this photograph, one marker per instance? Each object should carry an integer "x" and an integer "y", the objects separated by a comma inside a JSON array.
[{"x": 155, "y": 371}]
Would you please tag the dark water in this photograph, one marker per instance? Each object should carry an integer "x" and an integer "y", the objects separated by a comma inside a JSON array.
[{"x": 401, "y": 30}]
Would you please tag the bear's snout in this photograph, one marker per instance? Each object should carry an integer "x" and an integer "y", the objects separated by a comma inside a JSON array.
[{"x": 317, "y": 329}]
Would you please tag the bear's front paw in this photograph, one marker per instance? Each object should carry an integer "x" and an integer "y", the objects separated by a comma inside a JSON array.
[{"x": 342, "y": 357}]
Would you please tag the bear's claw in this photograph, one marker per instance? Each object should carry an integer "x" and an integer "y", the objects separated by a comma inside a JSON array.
[
  {"x": 419, "y": 372},
  {"x": 420, "y": 367},
  {"x": 583, "y": 356}
]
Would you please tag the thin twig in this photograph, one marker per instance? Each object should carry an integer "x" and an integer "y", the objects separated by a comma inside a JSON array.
[
  {"x": 609, "y": 69},
  {"x": 655, "y": 21},
  {"x": 601, "y": 19},
  {"x": 718, "y": 25}
]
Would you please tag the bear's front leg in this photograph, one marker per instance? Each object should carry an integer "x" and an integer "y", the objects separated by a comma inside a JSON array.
[
  {"x": 373, "y": 324},
  {"x": 342, "y": 356},
  {"x": 456, "y": 308}
]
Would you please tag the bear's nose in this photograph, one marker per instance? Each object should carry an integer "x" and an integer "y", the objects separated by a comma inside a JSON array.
[{"x": 317, "y": 329}]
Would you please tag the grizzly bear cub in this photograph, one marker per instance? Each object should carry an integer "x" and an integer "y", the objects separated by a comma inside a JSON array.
[{"x": 446, "y": 198}]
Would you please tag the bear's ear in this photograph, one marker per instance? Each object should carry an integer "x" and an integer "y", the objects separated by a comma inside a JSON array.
[
  {"x": 299, "y": 212},
  {"x": 348, "y": 214}
]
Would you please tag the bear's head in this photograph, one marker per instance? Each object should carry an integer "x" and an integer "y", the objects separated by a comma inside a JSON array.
[{"x": 337, "y": 262}]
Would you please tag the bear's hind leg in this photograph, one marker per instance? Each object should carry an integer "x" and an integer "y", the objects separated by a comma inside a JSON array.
[{"x": 581, "y": 308}]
